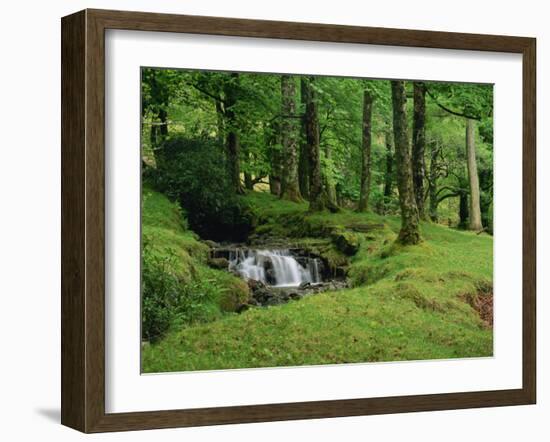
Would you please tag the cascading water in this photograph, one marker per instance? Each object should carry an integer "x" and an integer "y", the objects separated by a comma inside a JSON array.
[{"x": 277, "y": 268}]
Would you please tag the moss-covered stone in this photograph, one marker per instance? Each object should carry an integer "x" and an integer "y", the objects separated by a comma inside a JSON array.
[
  {"x": 218, "y": 263},
  {"x": 234, "y": 294}
]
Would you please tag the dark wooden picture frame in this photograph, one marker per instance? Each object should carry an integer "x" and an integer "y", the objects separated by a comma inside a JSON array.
[{"x": 83, "y": 217}]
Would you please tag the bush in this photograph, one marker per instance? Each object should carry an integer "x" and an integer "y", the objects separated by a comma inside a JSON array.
[
  {"x": 194, "y": 173},
  {"x": 169, "y": 301},
  {"x": 161, "y": 293}
]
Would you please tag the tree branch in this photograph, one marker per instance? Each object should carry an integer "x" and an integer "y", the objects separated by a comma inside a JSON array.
[
  {"x": 209, "y": 94},
  {"x": 453, "y": 112}
]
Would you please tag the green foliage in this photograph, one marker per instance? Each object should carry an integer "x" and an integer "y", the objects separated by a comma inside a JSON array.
[
  {"x": 406, "y": 302},
  {"x": 191, "y": 172},
  {"x": 178, "y": 289},
  {"x": 161, "y": 293}
]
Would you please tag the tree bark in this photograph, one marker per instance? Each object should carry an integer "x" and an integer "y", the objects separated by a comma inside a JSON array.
[
  {"x": 290, "y": 186},
  {"x": 463, "y": 211},
  {"x": 275, "y": 161},
  {"x": 303, "y": 165},
  {"x": 388, "y": 177},
  {"x": 473, "y": 178},
  {"x": 163, "y": 117},
  {"x": 232, "y": 137},
  {"x": 329, "y": 186},
  {"x": 316, "y": 200},
  {"x": 410, "y": 232},
  {"x": 418, "y": 147},
  {"x": 364, "y": 190},
  {"x": 433, "y": 174}
]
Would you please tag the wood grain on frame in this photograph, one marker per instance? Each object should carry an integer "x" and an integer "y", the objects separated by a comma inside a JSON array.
[{"x": 83, "y": 218}]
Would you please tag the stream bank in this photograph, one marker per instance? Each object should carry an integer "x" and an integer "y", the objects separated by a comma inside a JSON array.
[{"x": 276, "y": 274}]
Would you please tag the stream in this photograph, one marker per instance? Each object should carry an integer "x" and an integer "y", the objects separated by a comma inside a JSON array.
[
  {"x": 277, "y": 268},
  {"x": 278, "y": 275}
]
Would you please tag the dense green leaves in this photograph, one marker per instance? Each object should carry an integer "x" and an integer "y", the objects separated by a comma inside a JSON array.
[{"x": 209, "y": 106}]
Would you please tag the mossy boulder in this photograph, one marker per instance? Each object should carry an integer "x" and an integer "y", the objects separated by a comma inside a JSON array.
[
  {"x": 234, "y": 294},
  {"x": 347, "y": 242},
  {"x": 218, "y": 263}
]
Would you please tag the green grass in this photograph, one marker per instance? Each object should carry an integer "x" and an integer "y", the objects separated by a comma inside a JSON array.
[
  {"x": 165, "y": 230},
  {"x": 407, "y": 303}
]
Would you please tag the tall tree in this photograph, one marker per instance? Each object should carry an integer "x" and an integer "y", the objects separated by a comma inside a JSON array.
[
  {"x": 473, "y": 178},
  {"x": 232, "y": 137},
  {"x": 329, "y": 187},
  {"x": 303, "y": 164},
  {"x": 410, "y": 232},
  {"x": 433, "y": 175},
  {"x": 418, "y": 145},
  {"x": 316, "y": 198},
  {"x": 388, "y": 175},
  {"x": 290, "y": 188},
  {"x": 276, "y": 169},
  {"x": 366, "y": 160}
]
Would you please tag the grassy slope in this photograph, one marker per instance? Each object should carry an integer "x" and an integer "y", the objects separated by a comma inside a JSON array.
[
  {"x": 165, "y": 229},
  {"x": 407, "y": 302}
]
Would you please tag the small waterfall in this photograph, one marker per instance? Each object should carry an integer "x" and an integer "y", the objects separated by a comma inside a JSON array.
[{"x": 277, "y": 268}]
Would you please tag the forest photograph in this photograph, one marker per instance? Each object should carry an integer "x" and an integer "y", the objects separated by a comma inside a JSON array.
[{"x": 292, "y": 220}]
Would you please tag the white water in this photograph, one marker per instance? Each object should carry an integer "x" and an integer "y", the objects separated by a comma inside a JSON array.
[{"x": 277, "y": 268}]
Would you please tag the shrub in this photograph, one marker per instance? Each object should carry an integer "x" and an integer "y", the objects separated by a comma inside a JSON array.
[
  {"x": 193, "y": 172},
  {"x": 167, "y": 300},
  {"x": 161, "y": 293}
]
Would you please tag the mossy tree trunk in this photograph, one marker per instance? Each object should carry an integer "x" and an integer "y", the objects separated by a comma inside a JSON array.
[
  {"x": 410, "y": 232},
  {"x": 473, "y": 178},
  {"x": 316, "y": 197},
  {"x": 364, "y": 190},
  {"x": 388, "y": 176},
  {"x": 329, "y": 186},
  {"x": 418, "y": 145},
  {"x": 463, "y": 211},
  {"x": 276, "y": 171},
  {"x": 432, "y": 181},
  {"x": 232, "y": 137},
  {"x": 290, "y": 186},
  {"x": 303, "y": 165}
]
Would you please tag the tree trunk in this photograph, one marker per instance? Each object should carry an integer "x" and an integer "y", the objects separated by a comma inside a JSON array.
[
  {"x": 409, "y": 233},
  {"x": 329, "y": 186},
  {"x": 248, "y": 182},
  {"x": 163, "y": 117},
  {"x": 232, "y": 137},
  {"x": 432, "y": 179},
  {"x": 388, "y": 178},
  {"x": 316, "y": 200},
  {"x": 463, "y": 210},
  {"x": 275, "y": 160},
  {"x": 473, "y": 178},
  {"x": 290, "y": 186},
  {"x": 364, "y": 190},
  {"x": 418, "y": 147},
  {"x": 303, "y": 166}
]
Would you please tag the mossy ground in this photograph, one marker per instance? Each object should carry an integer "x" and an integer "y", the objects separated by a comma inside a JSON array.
[
  {"x": 406, "y": 303},
  {"x": 165, "y": 230}
]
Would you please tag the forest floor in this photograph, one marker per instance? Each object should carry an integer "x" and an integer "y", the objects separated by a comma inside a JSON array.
[{"x": 429, "y": 301}]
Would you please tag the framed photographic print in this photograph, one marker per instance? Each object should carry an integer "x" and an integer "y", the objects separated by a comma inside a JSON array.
[{"x": 267, "y": 220}]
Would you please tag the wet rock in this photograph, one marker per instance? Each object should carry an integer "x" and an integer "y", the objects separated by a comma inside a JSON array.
[
  {"x": 295, "y": 295},
  {"x": 218, "y": 263},
  {"x": 211, "y": 244},
  {"x": 270, "y": 276},
  {"x": 255, "y": 285},
  {"x": 304, "y": 285}
]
